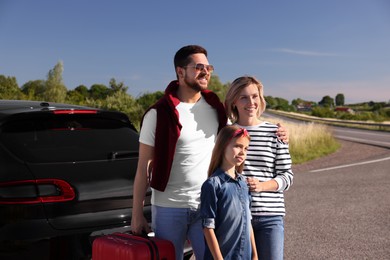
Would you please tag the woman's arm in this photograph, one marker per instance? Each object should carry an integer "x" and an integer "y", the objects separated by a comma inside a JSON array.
[
  {"x": 257, "y": 186},
  {"x": 283, "y": 173},
  {"x": 212, "y": 243}
]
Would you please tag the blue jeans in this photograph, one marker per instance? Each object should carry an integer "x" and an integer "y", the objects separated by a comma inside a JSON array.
[
  {"x": 269, "y": 236},
  {"x": 177, "y": 225}
]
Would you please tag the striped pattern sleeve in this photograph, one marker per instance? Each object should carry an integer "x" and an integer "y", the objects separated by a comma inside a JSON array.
[{"x": 267, "y": 159}]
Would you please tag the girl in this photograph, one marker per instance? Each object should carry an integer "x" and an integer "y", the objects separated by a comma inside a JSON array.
[
  {"x": 225, "y": 199},
  {"x": 267, "y": 167}
]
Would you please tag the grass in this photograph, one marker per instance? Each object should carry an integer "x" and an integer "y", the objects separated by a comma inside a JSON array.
[{"x": 309, "y": 141}]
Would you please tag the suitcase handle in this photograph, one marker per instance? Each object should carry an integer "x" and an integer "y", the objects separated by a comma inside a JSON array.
[
  {"x": 150, "y": 243},
  {"x": 144, "y": 234}
]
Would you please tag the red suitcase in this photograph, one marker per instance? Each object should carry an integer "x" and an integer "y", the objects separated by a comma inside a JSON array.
[{"x": 120, "y": 246}]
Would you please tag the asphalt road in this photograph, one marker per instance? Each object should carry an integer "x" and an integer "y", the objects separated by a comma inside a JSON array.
[
  {"x": 339, "y": 205},
  {"x": 340, "y": 210},
  {"x": 377, "y": 138}
]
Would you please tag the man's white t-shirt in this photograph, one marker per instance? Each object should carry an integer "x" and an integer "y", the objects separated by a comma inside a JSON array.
[{"x": 193, "y": 153}]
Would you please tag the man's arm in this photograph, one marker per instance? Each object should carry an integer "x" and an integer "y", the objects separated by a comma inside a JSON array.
[
  {"x": 282, "y": 133},
  {"x": 138, "y": 222}
]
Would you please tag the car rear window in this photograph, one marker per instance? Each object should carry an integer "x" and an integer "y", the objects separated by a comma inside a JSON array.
[{"x": 68, "y": 138}]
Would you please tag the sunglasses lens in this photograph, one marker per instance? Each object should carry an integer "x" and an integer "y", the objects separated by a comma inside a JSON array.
[{"x": 199, "y": 66}]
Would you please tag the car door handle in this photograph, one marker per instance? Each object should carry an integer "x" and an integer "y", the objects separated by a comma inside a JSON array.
[{"x": 122, "y": 154}]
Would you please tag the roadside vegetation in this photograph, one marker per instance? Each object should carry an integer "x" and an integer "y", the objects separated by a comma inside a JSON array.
[
  {"x": 309, "y": 141},
  {"x": 114, "y": 96}
]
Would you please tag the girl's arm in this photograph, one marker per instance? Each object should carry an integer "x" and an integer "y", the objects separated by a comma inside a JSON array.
[
  {"x": 253, "y": 243},
  {"x": 212, "y": 243}
]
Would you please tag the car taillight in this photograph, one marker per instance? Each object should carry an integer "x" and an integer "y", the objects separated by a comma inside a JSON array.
[
  {"x": 36, "y": 191},
  {"x": 72, "y": 111}
]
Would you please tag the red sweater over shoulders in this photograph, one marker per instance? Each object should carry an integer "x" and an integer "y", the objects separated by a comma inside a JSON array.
[{"x": 168, "y": 131}]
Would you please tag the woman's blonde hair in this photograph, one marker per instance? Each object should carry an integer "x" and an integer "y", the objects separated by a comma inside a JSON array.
[
  {"x": 225, "y": 136},
  {"x": 234, "y": 92}
]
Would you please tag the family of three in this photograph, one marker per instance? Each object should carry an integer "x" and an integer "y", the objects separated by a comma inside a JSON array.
[{"x": 215, "y": 183}]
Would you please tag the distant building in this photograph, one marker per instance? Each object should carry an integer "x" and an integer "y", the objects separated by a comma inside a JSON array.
[
  {"x": 345, "y": 109},
  {"x": 305, "y": 106}
]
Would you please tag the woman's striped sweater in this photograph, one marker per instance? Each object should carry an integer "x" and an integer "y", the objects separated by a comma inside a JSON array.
[{"x": 267, "y": 159}]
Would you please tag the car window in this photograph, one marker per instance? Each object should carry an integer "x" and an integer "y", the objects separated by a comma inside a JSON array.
[{"x": 68, "y": 138}]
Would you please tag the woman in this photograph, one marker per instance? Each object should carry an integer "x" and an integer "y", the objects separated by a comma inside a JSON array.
[{"x": 267, "y": 167}]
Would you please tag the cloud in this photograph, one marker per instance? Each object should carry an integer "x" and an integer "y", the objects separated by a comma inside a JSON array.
[{"x": 306, "y": 53}]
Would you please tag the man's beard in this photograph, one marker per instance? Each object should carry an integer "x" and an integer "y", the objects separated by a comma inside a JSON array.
[{"x": 195, "y": 85}]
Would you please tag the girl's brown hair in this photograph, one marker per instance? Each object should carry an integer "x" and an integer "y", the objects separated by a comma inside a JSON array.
[
  {"x": 225, "y": 136},
  {"x": 233, "y": 94}
]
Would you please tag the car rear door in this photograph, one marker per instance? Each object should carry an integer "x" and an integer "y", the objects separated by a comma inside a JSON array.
[{"x": 84, "y": 161}]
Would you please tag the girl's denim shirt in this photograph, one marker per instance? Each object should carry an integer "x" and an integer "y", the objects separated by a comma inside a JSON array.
[{"x": 225, "y": 207}]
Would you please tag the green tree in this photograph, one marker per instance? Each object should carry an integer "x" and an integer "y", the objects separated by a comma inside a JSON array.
[
  {"x": 34, "y": 89},
  {"x": 282, "y": 104},
  {"x": 74, "y": 97},
  {"x": 99, "y": 91},
  {"x": 120, "y": 101},
  {"x": 340, "y": 99},
  {"x": 77, "y": 96},
  {"x": 298, "y": 101},
  {"x": 117, "y": 87},
  {"x": 217, "y": 87},
  {"x": 83, "y": 90},
  {"x": 271, "y": 102},
  {"x": 148, "y": 99},
  {"x": 9, "y": 88},
  {"x": 326, "y": 101},
  {"x": 377, "y": 106},
  {"x": 55, "y": 89}
]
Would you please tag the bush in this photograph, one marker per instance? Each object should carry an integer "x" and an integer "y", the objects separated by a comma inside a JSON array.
[{"x": 323, "y": 112}]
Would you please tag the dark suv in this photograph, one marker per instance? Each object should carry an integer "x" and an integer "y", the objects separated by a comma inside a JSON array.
[{"x": 66, "y": 171}]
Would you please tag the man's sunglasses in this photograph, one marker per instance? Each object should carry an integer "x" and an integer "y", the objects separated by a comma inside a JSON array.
[{"x": 201, "y": 67}]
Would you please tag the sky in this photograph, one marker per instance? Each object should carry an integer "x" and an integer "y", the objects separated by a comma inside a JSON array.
[{"x": 304, "y": 49}]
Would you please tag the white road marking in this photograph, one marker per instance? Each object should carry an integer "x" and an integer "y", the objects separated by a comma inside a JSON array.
[{"x": 350, "y": 165}]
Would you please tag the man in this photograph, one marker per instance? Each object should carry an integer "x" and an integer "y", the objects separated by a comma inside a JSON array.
[{"x": 177, "y": 137}]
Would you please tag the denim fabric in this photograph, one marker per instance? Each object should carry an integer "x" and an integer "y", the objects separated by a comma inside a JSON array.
[
  {"x": 269, "y": 236},
  {"x": 177, "y": 225},
  {"x": 225, "y": 208}
]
